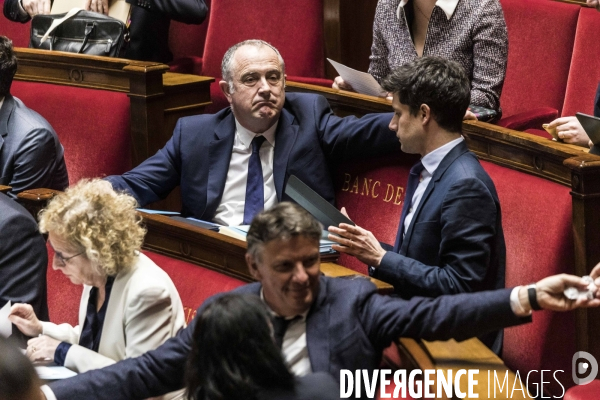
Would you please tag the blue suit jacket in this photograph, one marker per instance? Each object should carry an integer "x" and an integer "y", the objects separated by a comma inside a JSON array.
[
  {"x": 31, "y": 155},
  {"x": 23, "y": 261},
  {"x": 308, "y": 138},
  {"x": 347, "y": 327},
  {"x": 455, "y": 242}
]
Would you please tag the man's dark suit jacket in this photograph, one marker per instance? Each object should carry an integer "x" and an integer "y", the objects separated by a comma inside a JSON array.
[
  {"x": 149, "y": 29},
  {"x": 23, "y": 260},
  {"x": 455, "y": 242},
  {"x": 347, "y": 327},
  {"x": 308, "y": 139},
  {"x": 30, "y": 154}
]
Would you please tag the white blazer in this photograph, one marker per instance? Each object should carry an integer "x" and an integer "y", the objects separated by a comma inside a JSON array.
[{"x": 143, "y": 311}]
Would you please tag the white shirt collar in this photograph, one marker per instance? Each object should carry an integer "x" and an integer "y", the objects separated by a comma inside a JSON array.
[
  {"x": 447, "y": 6},
  {"x": 432, "y": 160},
  {"x": 302, "y": 316},
  {"x": 1, "y": 101},
  {"x": 246, "y": 136}
]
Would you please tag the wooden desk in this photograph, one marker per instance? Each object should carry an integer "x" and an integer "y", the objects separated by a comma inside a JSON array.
[
  {"x": 4, "y": 189},
  {"x": 219, "y": 252}
]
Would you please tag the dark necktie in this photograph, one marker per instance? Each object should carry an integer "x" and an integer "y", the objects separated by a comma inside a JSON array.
[
  {"x": 280, "y": 325},
  {"x": 411, "y": 186},
  {"x": 255, "y": 190}
]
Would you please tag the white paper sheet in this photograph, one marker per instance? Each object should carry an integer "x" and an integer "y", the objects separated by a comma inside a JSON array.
[
  {"x": 361, "y": 82},
  {"x": 5, "y": 324},
  {"x": 54, "y": 372}
]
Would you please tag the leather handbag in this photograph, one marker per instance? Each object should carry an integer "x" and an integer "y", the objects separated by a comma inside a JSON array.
[{"x": 79, "y": 31}]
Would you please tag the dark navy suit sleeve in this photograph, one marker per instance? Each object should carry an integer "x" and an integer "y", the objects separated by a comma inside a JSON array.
[
  {"x": 13, "y": 12},
  {"x": 23, "y": 260},
  {"x": 459, "y": 317},
  {"x": 466, "y": 233},
  {"x": 187, "y": 11},
  {"x": 157, "y": 176},
  {"x": 348, "y": 137},
  {"x": 33, "y": 161}
]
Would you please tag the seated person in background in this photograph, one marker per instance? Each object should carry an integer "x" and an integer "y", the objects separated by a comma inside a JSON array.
[
  {"x": 128, "y": 306},
  {"x": 30, "y": 154},
  {"x": 23, "y": 261},
  {"x": 450, "y": 237},
  {"x": 232, "y": 164},
  {"x": 18, "y": 380},
  {"x": 568, "y": 128},
  {"x": 470, "y": 32},
  {"x": 342, "y": 324},
  {"x": 234, "y": 356},
  {"x": 148, "y": 29}
]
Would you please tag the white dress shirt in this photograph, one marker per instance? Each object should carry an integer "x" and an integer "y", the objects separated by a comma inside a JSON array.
[
  {"x": 294, "y": 346},
  {"x": 231, "y": 209},
  {"x": 1, "y": 102},
  {"x": 448, "y": 6},
  {"x": 430, "y": 163}
]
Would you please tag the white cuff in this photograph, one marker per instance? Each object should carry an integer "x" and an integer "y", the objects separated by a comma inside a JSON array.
[
  {"x": 48, "y": 392},
  {"x": 515, "y": 304}
]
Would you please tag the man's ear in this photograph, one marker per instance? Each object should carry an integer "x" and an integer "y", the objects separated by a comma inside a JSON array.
[
  {"x": 225, "y": 89},
  {"x": 252, "y": 267},
  {"x": 425, "y": 113}
]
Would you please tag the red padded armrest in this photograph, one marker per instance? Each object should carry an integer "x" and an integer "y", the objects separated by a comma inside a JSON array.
[{"x": 532, "y": 119}]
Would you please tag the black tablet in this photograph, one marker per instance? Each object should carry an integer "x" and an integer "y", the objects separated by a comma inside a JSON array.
[
  {"x": 591, "y": 126},
  {"x": 317, "y": 206}
]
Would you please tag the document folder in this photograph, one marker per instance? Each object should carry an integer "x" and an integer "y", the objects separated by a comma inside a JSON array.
[
  {"x": 591, "y": 126},
  {"x": 317, "y": 206}
]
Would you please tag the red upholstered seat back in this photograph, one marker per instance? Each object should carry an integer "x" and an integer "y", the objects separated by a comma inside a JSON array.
[
  {"x": 540, "y": 35},
  {"x": 585, "y": 65},
  {"x": 92, "y": 125},
  {"x": 186, "y": 42},
  {"x": 63, "y": 296},
  {"x": 194, "y": 284},
  {"x": 536, "y": 217},
  {"x": 295, "y": 28},
  {"x": 15, "y": 31},
  {"x": 372, "y": 191}
]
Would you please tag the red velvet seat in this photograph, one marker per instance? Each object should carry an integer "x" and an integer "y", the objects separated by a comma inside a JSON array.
[
  {"x": 536, "y": 218},
  {"x": 194, "y": 284},
  {"x": 92, "y": 125},
  {"x": 584, "y": 73},
  {"x": 584, "y": 392},
  {"x": 15, "y": 31},
  {"x": 541, "y": 34},
  {"x": 295, "y": 28}
]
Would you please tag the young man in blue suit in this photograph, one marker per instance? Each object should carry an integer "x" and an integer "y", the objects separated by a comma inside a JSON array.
[
  {"x": 450, "y": 237},
  {"x": 211, "y": 156},
  {"x": 333, "y": 324}
]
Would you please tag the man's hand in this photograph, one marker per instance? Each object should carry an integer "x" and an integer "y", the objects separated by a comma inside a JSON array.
[
  {"x": 357, "y": 242},
  {"x": 41, "y": 348},
  {"x": 594, "y": 3},
  {"x": 340, "y": 84},
  {"x": 99, "y": 6},
  {"x": 570, "y": 131},
  {"x": 35, "y": 7},
  {"x": 23, "y": 316},
  {"x": 550, "y": 294}
]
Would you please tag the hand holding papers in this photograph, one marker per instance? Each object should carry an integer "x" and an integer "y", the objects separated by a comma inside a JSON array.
[{"x": 361, "y": 82}]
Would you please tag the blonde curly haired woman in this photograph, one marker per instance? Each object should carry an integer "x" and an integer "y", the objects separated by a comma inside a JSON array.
[{"x": 129, "y": 305}]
